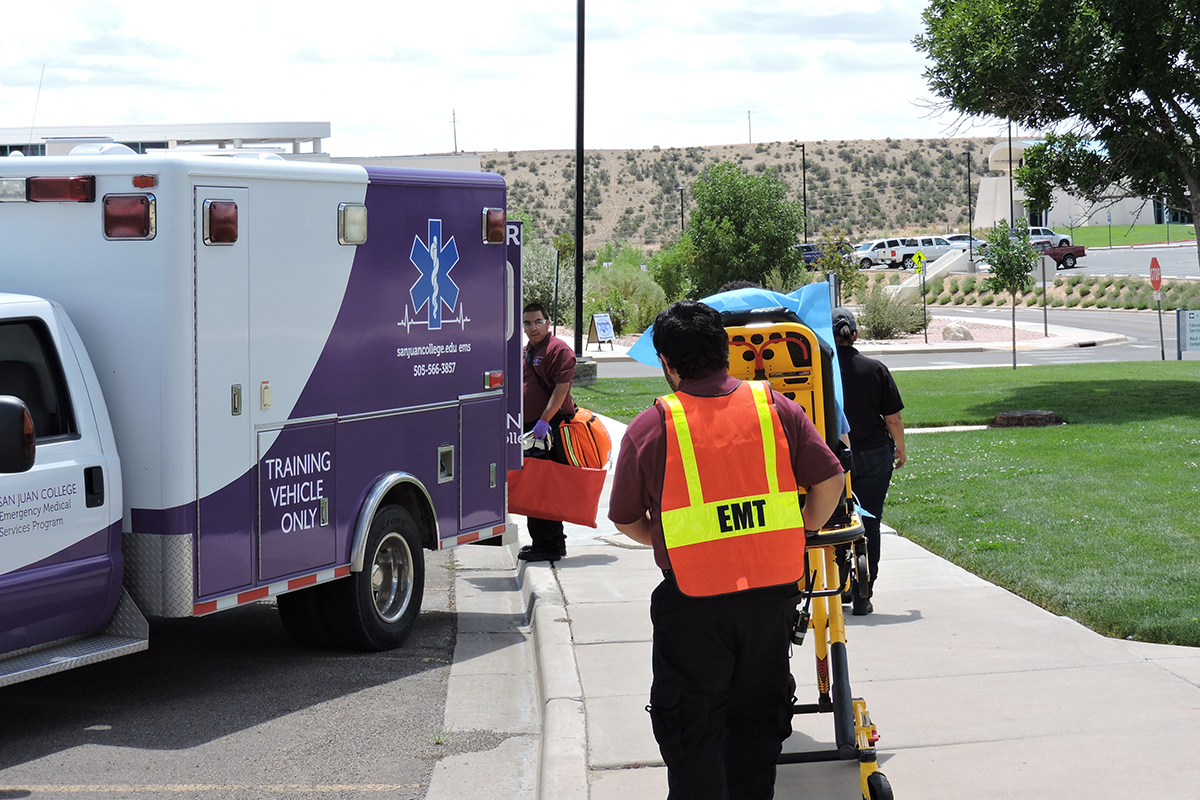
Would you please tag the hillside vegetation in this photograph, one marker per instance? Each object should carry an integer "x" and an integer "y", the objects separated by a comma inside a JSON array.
[{"x": 870, "y": 187}]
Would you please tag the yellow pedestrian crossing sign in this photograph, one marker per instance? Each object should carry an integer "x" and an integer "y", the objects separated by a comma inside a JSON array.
[{"x": 919, "y": 260}]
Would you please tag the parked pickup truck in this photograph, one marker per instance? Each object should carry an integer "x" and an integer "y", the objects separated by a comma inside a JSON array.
[{"x": 1064, "y": 256}]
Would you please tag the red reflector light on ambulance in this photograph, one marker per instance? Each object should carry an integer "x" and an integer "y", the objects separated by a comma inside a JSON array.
[
  {"x": 129, "y": 216},
  {"x": 79, "y": 189},
  {"x": 494, "y": 224},
  {"x": 493, "y": 380}
]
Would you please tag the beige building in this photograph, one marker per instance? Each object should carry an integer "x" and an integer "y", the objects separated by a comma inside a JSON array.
[{"x": 1000, "y": 198}]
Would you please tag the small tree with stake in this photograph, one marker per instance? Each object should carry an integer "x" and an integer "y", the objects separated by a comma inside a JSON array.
[{"x": 1011, "y": 258}]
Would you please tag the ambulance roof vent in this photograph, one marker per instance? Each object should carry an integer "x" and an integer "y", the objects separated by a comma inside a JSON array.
[{"x": 102, "y": 149}]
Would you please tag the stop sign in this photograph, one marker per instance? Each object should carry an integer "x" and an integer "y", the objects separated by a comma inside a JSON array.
[{"x": 1155, "y": 274}]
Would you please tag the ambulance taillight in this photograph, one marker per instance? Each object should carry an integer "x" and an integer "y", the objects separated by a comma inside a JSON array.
[
  {"x": 78, "y": 189},
  {"x": 129, "y": 216}
]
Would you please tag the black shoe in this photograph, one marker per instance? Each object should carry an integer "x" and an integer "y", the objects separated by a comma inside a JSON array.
[
  {"x": 540, "y": 554},
  {"x": 862, "y": 606},
  {"x": 847, "y": 598}
]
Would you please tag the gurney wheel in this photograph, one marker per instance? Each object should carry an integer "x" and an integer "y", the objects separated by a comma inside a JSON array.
[
  {"x": 863, "y": 576},
  {"x": 878, "y": 786}
]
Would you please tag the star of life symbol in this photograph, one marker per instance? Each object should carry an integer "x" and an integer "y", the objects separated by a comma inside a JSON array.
[{"x": 435, "y": 286}]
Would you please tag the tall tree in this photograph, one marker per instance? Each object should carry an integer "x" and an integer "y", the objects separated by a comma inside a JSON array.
[
  {"x": 1116, "y": 83},
  {"x": 743, "y": 226}
]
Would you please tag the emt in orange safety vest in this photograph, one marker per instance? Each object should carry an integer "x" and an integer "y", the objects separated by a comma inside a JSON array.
[{"x": 709, "y": 477}]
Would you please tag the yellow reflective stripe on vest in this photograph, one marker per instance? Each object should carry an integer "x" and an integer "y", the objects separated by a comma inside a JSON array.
[
  {"x": 687, "y": 450},
  {"x": 723, "y": 519},
  {"x": 768, "y": 433}
]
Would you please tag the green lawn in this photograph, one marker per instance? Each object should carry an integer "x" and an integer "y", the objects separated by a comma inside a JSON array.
[
  {"x": 1095, "y": 519},
  {"x": 1098, "y": 235}
]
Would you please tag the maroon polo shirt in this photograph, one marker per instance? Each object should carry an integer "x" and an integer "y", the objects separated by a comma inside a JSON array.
[
  {"x": 554, "y": 361},
  {"x": 641, "y": 464}
]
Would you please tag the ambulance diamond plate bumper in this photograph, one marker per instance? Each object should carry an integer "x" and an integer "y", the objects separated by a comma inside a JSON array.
[{"x": 127, "y": 633}]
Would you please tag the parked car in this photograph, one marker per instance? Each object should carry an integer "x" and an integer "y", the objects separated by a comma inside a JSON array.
[
  {"x": 1060, "y": 239},
  {"x": 809, "y": 251},
  {"x": 1064, "y": 256},
  {"x": 870, "y": 254},
  {"x": 967, "y": 242},
  {"x": 933, "y": 248}
]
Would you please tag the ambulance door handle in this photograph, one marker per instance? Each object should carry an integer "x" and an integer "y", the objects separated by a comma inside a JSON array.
[
  {"x": 235, "y": 399},
  {"x": 93, "y": 486}
]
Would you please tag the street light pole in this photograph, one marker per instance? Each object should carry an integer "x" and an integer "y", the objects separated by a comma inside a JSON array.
[
  {"x": 681, "y": 209},
  {"x": 579, "y": 181},
  {"x": 804, "y": 188},
  {"x": 970, "y": 220}
]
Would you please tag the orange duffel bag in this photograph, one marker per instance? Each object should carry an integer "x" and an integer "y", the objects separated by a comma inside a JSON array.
[
  {"x": 585, "y": 440},
  {"x": 548, "y": 490}
]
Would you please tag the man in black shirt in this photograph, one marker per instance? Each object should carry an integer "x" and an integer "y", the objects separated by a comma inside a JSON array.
[{"x": 873, "y": 408}]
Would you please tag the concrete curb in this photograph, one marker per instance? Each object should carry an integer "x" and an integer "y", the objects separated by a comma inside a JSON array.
[{"x": 563, "y": 767}]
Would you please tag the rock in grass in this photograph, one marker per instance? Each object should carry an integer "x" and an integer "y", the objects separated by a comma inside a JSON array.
[{"x": 1025, "y": 419}]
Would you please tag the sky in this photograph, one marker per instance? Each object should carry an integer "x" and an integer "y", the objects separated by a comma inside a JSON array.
[{"x": 397, "y": 77}]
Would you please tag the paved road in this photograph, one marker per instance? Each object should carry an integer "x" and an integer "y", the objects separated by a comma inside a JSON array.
[
  {"x": 1176, "y": 261},
  {"x": 1140, "y": 327},
  {"x": 227, "y": 706}
]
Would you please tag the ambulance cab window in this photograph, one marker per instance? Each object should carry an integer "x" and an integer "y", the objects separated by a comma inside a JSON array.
[{"x": 30, "y": 370}]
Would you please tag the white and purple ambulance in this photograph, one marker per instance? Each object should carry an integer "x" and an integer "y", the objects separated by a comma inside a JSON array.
[{"x": 239, "y": 389}]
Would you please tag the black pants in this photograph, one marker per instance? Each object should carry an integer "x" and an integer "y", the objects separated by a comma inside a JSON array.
[
  {"x": 548, "y": 534},
  {"x": 721, "y": 701},
  {"x": 871, "y": 475}
]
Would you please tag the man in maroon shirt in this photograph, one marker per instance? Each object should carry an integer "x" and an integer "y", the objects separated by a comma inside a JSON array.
[
  {"x": 548, "y": 372},
  {"x": 721, "y": 700}
]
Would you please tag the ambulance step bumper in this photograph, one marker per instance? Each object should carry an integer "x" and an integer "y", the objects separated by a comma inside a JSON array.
[{"x": 127, "y": 633}]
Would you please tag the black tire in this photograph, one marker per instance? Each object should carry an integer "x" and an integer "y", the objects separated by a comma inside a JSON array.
[
  {"x": 1068, "y": 260},
  {"x": 862, "y": 576},
  {"x": 303, "y": 614},
  {"x": 866, "y": 263},
  {"x": 375, "y": 609},
  {"x": 878, "y": 787},
  {"x": 1064, "y": 243},
  {"x": 907, "y": 263}
]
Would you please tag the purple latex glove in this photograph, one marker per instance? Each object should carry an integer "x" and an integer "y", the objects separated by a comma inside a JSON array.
[{"x": 541, "y": 430}]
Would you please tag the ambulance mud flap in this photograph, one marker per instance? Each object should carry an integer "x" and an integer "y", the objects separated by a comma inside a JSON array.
[{"x": 127, "y": 633}]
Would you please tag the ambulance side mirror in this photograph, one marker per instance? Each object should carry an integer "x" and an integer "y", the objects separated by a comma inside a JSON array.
[{"x": 17, "y": 436}]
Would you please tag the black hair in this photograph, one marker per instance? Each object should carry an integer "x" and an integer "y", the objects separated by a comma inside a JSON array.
[
  {"x": 842, "y": 334},
  {"x": 692, "y": 338},
  {"x": 733, "y": 286},
  {"x": 538, "y": 307}
]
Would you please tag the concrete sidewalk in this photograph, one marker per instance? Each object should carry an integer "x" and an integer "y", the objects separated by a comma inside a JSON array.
[
  {"x": 976, "y": 692},
  {"x": 1061, "y": 336}
]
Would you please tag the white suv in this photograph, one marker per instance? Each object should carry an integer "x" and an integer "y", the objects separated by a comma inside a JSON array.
[{"x": 1060, "y": 239}]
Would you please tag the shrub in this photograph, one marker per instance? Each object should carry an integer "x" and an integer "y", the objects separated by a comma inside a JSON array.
[
  {"x": 1072, "y": 302},
  {"x": 986, "y": 299},
  {"x": 626, "y": 293},
  {"x": 1088, "y": 303},
  {"x": 1085, "y": 290},
  {"x": 958, "y": 299},
  {"x": 1101, "y": 303},
  {"x": 885, "y": 315},
  {"x": 943, "y": 299},
  {"x": 971, "y": 300},
  {"x": 1031, "y": 300},
  {"x": 537, "y": 280},
  {"x": 1056, "y": 303},
  {"x": 968, "y": 284}
]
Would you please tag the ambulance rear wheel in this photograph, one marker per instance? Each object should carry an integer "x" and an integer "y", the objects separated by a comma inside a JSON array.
[
  {"x": 878, "y": 787},
  {"x": 377, "y": 607}
]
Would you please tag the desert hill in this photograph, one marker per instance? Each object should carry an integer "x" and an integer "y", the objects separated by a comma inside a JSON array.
[{"x": 869, "y": 186}]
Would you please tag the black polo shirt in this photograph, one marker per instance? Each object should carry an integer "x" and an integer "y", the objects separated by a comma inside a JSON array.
[{"x": 870, "y": 395}]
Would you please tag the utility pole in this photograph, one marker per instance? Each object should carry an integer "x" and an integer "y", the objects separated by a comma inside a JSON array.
[
  {"x": 970, "y": 218},
  {"x": 454, "y": 124},
  {"x": 1012, "y": 218},
  {"x": 749, "y": 135},
  {"x": 579, "y": 180},
  {"x": 804, "y": 189}
]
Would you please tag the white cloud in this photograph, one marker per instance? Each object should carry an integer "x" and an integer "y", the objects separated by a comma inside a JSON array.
[{"x": 388, "y": 75}]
